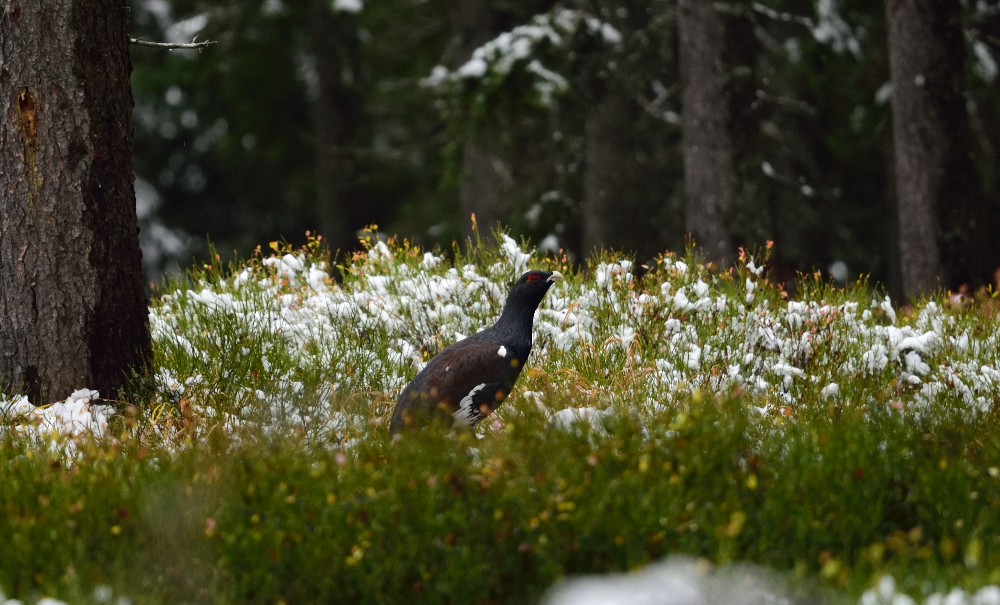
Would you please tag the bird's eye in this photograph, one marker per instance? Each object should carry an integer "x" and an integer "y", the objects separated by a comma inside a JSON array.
[{"x": 534, "y": 277}]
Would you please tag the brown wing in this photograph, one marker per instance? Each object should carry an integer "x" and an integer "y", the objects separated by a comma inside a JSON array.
[{"x": 467, "y": 380}]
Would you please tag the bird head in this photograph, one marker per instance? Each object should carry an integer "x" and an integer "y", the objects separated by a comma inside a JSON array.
[
  {"x": 540, "y": 280},
  {"x": 527, "y": 292}
]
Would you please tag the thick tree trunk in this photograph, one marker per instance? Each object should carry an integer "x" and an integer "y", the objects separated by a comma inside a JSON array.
[
  {"x": 335, "y": 113},
  {"x": 931, "y": 132},
  {"x": 709, "y": 167},
  {"x": 73, "y": 312},
  {"x": 484, "y": 174},
  {"x": 616, "y": 209}
]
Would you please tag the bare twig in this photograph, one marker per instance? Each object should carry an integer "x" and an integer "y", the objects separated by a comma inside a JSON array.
[
  {"x": 653, "y": 107},
  {"x": 171, "y": 45},
  {"x": 788, "y": 103}
]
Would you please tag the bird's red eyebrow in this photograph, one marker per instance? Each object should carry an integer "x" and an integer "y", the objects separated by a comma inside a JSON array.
[{"x": 534, "y": 277}]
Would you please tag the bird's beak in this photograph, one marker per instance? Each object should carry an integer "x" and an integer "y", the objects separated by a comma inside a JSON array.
[{"x": 556, "y": 276}]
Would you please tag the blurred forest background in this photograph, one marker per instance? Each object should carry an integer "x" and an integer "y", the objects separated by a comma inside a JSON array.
[{"x": 581, "y": 124}]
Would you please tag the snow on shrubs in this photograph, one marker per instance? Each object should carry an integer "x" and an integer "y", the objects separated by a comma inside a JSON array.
[
  {"x": 648, "y": 340},
  {"x": 282, "y": 332}
]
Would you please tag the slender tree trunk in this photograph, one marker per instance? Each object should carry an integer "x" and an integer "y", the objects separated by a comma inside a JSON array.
[
  {"x": 616, "y": 209},
  {"x": 484, "y": 174},
  {"x": 891, "y": 265},
  {"x": 484, "y": 181},
  {"x": 73, "y": 313},
  {"x": 335, "y": 113},
  {"x": 931, "y": 133},
  {"x": 709, "y": 166}
]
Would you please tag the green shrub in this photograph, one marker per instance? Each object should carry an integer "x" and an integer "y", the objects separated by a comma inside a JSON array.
[{"x": 259, "y": 469}]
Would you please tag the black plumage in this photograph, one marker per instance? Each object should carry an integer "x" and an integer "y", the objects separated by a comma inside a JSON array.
[{"x": 470, "y": 378}]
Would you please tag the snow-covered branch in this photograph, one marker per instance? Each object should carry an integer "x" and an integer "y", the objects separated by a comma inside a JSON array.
[
  {"x": 828, "y": 28},
  {"x": 524, "y": 49}
]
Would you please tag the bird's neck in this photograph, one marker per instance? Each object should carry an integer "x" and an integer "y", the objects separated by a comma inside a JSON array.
[{"x": 514, "y": 325}]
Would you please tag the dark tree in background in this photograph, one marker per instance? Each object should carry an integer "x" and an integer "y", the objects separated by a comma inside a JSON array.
[
  {"x": 937, "y": 200},
  {"x": 336, "y": 116},
  {"x": 485, "y": 175},
  {"x": 631, "y": 160},
  {"x": 709, "y": 166},
  {"x": 72, "y": 307},
  {"x": 616, "y": 214},
  {"x": 738, "y": 122},
  {"x": 236, "y": 138}
]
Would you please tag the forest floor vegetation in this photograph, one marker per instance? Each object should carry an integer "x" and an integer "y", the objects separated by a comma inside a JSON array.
[{"x": 848, "y": 445}]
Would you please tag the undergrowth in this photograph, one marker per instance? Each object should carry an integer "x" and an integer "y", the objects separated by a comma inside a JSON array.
[{"x": 825, "y": 434}]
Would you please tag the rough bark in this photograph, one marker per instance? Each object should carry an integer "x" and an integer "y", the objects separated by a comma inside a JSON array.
[
  {"x": 335, "y": 113},
  {"x": 615, "y": 210},
  {"x": 709, "y": 167},
  {"x": 931, "y": 133},
  {"x": 484, "y": 174},
  {"x": 73, "y": 312}
]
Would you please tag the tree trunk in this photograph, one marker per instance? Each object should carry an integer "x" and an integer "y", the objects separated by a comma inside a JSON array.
[
  {"x": 709, "y": 167},
  {"x": 73, "y": 313},
  {"x": 484, "y": 174},
  {"x": 931, "y": 132},
  {"x": 335, "y": 112},
  {"x": 484, "y": 180},
  {"x": 616, "y": 209},
  {"x": 891, "y": 265}
]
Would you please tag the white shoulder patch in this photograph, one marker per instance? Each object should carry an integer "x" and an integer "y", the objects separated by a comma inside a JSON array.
[
  {"x": 467, "y": 414},
  {"x": 503, "y": 351}
]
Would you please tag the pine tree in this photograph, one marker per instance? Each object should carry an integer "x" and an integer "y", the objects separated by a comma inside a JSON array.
[
  {"x": 73, "y": 312},
  {"x": 931, "y": 133}
]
